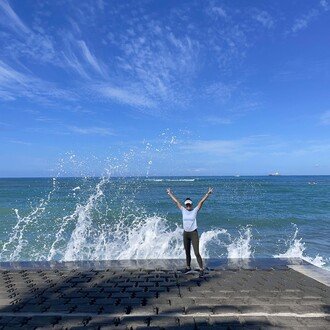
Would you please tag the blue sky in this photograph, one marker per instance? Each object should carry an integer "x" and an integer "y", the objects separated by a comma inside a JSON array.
[{"x": 164, "y": 87}]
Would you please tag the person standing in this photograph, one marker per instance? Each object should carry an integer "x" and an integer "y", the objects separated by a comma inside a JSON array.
[{"x": 190, "y": 233}]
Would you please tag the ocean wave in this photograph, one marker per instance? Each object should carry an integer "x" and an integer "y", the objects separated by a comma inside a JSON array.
[
  {"x": 296, "y": 249},
  {"x": 93, "y": 231}
]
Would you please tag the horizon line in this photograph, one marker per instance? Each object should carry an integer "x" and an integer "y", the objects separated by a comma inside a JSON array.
[{"x": 158, "y": 176}]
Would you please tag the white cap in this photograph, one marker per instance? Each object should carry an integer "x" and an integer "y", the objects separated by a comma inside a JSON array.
[{"x": 188, "y": 201}]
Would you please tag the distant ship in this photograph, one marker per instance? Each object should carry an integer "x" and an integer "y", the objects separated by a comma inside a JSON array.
[{"x": 274, "y": 174}]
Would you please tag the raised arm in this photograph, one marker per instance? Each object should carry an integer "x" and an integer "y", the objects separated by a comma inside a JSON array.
[
  {"x": 209, "y": 192},
  {"x": 175, "y": 200}
]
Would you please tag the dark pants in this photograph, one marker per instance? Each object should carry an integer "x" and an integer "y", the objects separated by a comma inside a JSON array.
[{"x": 188, "y": 238}]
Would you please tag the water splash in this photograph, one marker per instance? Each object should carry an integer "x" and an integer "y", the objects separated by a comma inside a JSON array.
[
  {"x": 106, "y": 222},
  {"x": 240, "y": 247},
  {"x": 77, "y": 242},
  {"x": 296, "y": 249},
  {"x": 12, "y": 249}
]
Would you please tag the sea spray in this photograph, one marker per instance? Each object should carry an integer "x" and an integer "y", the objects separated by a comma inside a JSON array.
[
  {"x": 216, "y": 238},
  {"x": 77, "y": 242},
  {"x": 11, "y": 250},
  {"x": 240, "y": 247},
  {"x": 119, "y": 217},
  {"x": 296, "y": 249}
]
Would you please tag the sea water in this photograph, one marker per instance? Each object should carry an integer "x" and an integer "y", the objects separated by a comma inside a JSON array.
[{"x": 119, "y": 217}]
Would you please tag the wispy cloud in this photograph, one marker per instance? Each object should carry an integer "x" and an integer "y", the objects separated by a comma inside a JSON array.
[
  {"x": 91, "y": 59},
  {"x": 152, "y": 61},
  {"x": 304, "y": 20},
  {"x": 125, "y": 96},
  {"x": 220, "y": 91},
  {"x": 325, "y": 4},
  {"x": 94, "y": 130},
  {"x": 24, "y": 143},
  {"x": 217, "y": 11},
  {"x": 264, "y": 18},
  {"x": 15, "y": 85},
  {"x": 9, "y": 18}
]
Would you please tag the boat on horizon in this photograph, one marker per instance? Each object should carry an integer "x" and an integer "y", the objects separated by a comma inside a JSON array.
[{"x": 274, "y": 174}]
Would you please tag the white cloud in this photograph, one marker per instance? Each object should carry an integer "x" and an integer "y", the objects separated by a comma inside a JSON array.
[
  {"x": 15, "y": 84},
  {"x": 219, "y": 91},
  {"x": 125, "y": 96},
  {"x": 264, "y": 18},
  {"x": 11, "y": 19},
  {"x": 153, "y": 60},
  {"x": 94, "y": 130},
  {"x": 72, "y": 61},
  {"x": 219, "y": 11},
  {"x": 325, "y": 4},
  {"x": 90, "y": 58},
  {"x": 302, "y": 22}
]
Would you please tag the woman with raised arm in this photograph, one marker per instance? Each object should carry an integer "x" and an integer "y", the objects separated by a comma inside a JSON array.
[{"x": 190, "y": 234}]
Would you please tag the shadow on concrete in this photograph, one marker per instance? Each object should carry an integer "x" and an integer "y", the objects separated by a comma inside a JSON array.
[
  {"x": 120, "y": 295},
  {"x": 111, "y": 298}
]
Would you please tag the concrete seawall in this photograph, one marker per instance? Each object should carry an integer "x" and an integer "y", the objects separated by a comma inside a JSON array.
[{"x": 155, "y": 294}]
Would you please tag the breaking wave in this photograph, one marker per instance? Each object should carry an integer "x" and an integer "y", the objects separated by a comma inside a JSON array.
[
  {"x": 296, "y": 249},
  {"x": 105, "y": 222}
]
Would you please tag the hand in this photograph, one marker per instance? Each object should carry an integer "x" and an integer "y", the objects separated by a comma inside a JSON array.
[
  {"x": 210, "y": 191},
  {"x": 168, "y": 190}
]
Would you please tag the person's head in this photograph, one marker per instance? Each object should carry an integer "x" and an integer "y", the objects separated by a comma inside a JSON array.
[{"x": 188, "y": 203}]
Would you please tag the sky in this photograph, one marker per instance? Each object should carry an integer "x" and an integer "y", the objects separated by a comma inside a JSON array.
[{"x": 164, "y": 87}]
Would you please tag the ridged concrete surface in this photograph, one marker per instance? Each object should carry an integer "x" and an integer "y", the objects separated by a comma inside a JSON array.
[{"x": 164, "y": 298}]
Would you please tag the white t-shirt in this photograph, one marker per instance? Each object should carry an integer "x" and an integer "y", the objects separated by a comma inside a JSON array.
[{"x": 189, "y": 218}]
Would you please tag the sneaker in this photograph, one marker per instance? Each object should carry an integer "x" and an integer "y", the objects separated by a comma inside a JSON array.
[
  {"x": 201, "y": 273},
  {"x": 187, "y": 270}
]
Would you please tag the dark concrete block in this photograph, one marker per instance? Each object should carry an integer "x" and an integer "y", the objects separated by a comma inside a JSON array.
[
  {"x": 43, "y": 320},
  {"x": 146, "y": 284},
  {"x": 147, "y": 294},
  {"x": 108, "y": 309},
  {"x": 120, "y": 295},
  {"x": 224, "y": 309},
  {"x": 143, "y": 310},
  {"x": 198, "y": 310},
  {"x": 130, "y": 301},
  {"x": 63, "y": 309},
  {"x": 168, "y": 309},
  {"x": 164, "y": 321},
  {"x": 105, "y": 301},
  {"x": 70, "y": 322},
  {"x": 87, "y": 309}
]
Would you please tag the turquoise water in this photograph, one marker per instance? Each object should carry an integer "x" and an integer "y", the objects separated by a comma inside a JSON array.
[{"x": 130, "y": 218}]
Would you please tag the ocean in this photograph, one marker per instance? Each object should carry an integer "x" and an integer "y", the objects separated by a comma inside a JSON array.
[{"x": 105, "y": 218}]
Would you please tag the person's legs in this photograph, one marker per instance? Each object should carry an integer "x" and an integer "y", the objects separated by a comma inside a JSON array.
[
  {"x": 195, "y": 243},
  {"x": 187, "y": 245}
]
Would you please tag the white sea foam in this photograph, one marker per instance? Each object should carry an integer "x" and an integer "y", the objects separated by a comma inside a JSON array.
[
  {"x": 240, "y": 247},
  {"x": 91, "y": 232},
  {"x": 94, "y": 229},
  {"x": 296, "y": 249}
]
